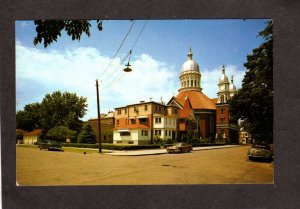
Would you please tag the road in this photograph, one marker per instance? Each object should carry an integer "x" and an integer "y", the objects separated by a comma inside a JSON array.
[{"x": 219, "y": 166}]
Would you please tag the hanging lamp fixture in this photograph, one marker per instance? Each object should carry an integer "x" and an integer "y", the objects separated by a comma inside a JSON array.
[{"x": 127, "y": 68}]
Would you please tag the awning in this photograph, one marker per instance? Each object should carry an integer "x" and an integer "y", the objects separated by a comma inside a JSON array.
[
  {"x": 143, "y": 116},
  {"x": 124, "y": 130}
]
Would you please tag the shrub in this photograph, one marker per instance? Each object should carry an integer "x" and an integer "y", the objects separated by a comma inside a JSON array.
[{"x": 112, "y": 146}]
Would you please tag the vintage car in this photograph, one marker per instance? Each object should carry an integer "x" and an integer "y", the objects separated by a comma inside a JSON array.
[
  {"x": 50, "y": 145},
  {"x": 261, "y": 151},
  {"x": 180, "y": 147}
]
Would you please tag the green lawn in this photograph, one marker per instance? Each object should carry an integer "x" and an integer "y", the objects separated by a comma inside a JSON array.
[{"x": 67, "y": 149}]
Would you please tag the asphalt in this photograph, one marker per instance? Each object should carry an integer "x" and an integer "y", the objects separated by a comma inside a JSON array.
[{"x": 161, "y": 151}]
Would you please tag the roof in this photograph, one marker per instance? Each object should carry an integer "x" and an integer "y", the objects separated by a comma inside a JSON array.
[
  {"x": 214, "y": 100},
  {"x": 133, "y": 126},
  {"x": 35, "y": 132},
  {"x": 186, "y": 112},
  {"x": 142, "y": 103},
  {"x": 197, "y": 99}
]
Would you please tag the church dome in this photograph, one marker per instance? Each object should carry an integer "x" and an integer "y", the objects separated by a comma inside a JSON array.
[
  {"x": 190, "y": 64},
  {"x": 223, "y": 78},
  {"x": 232, "y": 87}
]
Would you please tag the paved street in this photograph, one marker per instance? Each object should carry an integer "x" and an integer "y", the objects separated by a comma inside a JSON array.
[{"x": 228, "y": 165}]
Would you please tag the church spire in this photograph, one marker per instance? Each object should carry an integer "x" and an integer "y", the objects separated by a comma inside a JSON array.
[{"x": 190, "y": 54}]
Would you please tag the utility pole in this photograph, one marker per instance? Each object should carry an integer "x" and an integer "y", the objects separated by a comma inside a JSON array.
[{"x": 98, "y": 107}]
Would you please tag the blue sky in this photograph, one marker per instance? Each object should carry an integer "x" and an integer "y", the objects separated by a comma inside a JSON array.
[{"x": 156, "y": 59}]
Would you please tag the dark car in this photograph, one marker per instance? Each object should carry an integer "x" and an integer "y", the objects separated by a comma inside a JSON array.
[
  {"x": 50, "y": 145},
  {"x": 180, "y": 147},
  {"x": 260, "y": 151}
]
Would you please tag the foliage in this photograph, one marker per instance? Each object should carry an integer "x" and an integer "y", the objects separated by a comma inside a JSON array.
[
  {"x": 157, "y": 139},
  {"x": 62, "y": 109},
  {"x": 60, "y": 133},
  {"x": 253, "y": 103},
  {"x": 19, "y": 134},
  {"x": 87, "y": 135},
  {"x": 29, "y": 118},
  {"x": 112, "y": 146},
  {"x": 49, "y": 30}
]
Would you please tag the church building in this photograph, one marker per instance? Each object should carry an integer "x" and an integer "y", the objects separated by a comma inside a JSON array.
[{"x": 201, "y": 117}]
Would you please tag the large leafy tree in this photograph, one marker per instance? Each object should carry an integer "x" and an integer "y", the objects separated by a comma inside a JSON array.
[
  {"x": 29, "y": 118},
  {"x": 87, "y": 135},
  {"x": 60, "y": 133},
  {"x": 62, "y": 109},
  {"x": 253, "y": 103},
  {"x": 50, "y": 30}
]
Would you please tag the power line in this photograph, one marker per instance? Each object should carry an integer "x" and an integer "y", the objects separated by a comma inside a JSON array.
[
  {"x": 117, "y": 77},
  {"x": 118, "y": 48}
]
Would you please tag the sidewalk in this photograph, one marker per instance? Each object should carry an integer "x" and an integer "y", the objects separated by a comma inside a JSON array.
[{"x": 162, "y": 151}]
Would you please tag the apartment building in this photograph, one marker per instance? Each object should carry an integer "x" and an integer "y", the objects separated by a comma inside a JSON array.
[{"x": 139, "y": 123}]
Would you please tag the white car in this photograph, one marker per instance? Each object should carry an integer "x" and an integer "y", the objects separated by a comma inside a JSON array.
[{"x": 262, "y": 151}]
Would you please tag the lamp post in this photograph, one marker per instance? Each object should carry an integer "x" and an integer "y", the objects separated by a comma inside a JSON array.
[{"x": 98, "y": 107}]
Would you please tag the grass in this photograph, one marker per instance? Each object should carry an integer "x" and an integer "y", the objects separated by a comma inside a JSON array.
[{"x": 67, "y": 149}]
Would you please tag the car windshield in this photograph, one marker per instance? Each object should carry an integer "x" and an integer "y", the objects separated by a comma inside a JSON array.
[{"x": 261, "y": 146}]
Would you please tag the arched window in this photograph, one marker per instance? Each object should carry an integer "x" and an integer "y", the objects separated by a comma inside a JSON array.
[
  {"x": 192, "y": 83},
  {"x": 188, "y": 83},
  {"x": 184, "y": 83},
  {"x": 222, "y": 99},
  {"x": 195, "y": 83}
]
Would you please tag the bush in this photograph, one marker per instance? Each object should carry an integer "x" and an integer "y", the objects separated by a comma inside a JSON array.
[
  {"x": 112, "y": 146},
  {"x": 157, "y": 139}
]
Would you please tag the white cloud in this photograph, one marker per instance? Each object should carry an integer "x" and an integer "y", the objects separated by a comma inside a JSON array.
[
  {"x": 39, "y": 72},
  {"x": 210, "y": 79},
  {"x": 24, "y": 23}
]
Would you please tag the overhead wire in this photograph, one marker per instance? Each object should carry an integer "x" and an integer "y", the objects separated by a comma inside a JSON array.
[
  {"x": 118, "y": 77},
  {"x": 118, "y": 49}
]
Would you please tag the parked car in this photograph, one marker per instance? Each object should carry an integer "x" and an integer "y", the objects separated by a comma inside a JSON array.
[
  {"x": 180, "y": 147},
  {"x": 262, "y": 151},
  {"x": 50, "y": 145}
]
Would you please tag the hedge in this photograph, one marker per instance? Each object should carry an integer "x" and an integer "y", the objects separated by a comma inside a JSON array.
[
  {"x": 112, "y": 146},
  {"x": 205, "y": 144}
]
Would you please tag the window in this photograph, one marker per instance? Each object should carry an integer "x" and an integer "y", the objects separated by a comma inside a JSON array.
[
  {"x": 146, "y": 107},
  {"x": 125, "y": 111},
  {"x": 157, "y": 132},
  {"x": 144, "y": 132},
  {"x": 156, "y": 108},
  {"x": 143, "y": 120},
  {"x": 132, "y": 121},
  {"x": 169, "y": 132},
  {"x": 222, "y": 99},
  {"x": 119, "y": 112},
  {"x": 118, "y": 122},
  {"x": 222, "y": 110},
  {"x": 175, "y": 110},
  {"x": 159, "y": 108},
  {"x": 124, "y": 133},
  {"x": 157, "y": 120}
]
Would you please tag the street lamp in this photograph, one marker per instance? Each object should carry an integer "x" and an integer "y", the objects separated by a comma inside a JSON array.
[{"x": 127, "y": 69}]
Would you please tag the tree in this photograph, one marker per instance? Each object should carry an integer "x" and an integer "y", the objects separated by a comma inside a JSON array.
[
  {"x": 49, "y": 30},
  {"x": 253, "y": 103},
  {"x": 62, "y": 109},
  {"x": 29, "y": 118},
  {"x": 87, "y": 135},
  {"x": 60, "y": 133}
]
